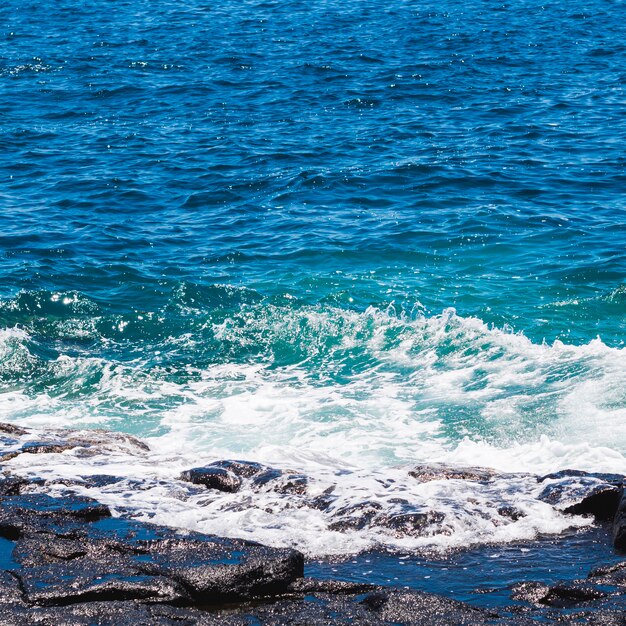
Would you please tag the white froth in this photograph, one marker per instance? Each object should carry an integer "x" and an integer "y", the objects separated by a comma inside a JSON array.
[{"x": 441, "y": 388}]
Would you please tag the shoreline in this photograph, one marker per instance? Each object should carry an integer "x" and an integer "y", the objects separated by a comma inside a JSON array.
[{"x": 164, "y": 575}]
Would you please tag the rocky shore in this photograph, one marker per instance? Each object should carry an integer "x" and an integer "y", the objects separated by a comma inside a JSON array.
[{"x": 67, "y": 560}]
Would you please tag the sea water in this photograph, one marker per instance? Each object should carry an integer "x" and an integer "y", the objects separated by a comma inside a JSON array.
[{"x": 341, "y": 238}]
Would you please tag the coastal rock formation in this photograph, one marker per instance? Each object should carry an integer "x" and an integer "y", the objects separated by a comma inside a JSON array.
[
  {"x": 427, "y": 472},
  {"x": 392, "y": 512},
  {"x": 67, "y": 560},
  {"x": 17, "y": 441},
  {"x": 619, "y": 525},
  {"x": 213, "y": 477},
  {"x": 228, "y": 475}
]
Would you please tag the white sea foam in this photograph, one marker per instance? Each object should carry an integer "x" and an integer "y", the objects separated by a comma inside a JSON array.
[{"x": 369, "y": 395}]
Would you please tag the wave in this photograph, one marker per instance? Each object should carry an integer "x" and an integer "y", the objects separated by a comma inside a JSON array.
[
  {"x": 383, "y": 386},
  {"x": 350, "y": 398}
]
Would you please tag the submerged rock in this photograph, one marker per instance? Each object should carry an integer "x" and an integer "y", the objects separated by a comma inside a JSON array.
[{"x": 610, "y": 575}]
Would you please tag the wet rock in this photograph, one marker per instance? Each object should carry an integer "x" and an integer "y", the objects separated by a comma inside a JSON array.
[
  {"x": 38, "y": 447},
  {"x": 12, "y": 429},
  {"x": 619, "y": 525},
  {"x": 88, "y": 580},
  {"x": 215, "y": 571},
  {"x": 280, "y": 482},
  {"x": 561, "y": 595},
  {"x": 243, "y": 469},
  {"x": 323, "y": 501},
  {"x": 84, "y": 443},
  {"x": 511, "y": 513},
  {"x": 581, "y": 493},
  {"x": 213, "y": 477},
  {"x": 355, "y": 517},
  {"x": 571, "y": 594},
  {"x": 128, "y": 613},
  {"x": 142, "y": 561},
  {"x": 441, "y": 471},
  {"x": 613, "y": 479},
  {"x": 601, "y": 502},
  {"x": 412, "y": 524},
  {"x": 100, "y": 480},
  {"x": 530, "y": 591},
  {"x": 31, "y": 512},
  {"x": 12, "y": 485},
  {"x": 228, "y": 476},
  {"x": 45, "y": 447},
  {"x": 314, "y": 585},
  {"x": 404, "y": 607},
  {"x": 609, "y": 575},
  {"x": 101, "y": 440},
  {"x": 268, "y": 475},
  {"x": 10, "y": 590}
]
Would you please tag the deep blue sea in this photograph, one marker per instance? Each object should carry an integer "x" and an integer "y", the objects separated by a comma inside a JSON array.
[{"x": 339, "y": 237}]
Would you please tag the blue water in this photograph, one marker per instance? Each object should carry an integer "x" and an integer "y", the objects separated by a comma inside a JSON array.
[{"x": 375, "y": 233}]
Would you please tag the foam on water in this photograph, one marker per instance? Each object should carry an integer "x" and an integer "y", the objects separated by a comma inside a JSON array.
[
  {"x": 351, "y": 400},
  {"x": 380, "y": 387}
]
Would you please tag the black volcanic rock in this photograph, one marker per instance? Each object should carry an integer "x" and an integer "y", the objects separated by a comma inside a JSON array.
[
  {"x": 280, "y": 482},
  {"x": 601, "y": 502},
  {"x": 66, "y": 561},
  {"x": 610, "y": 575},
  {"x": 404, "y": 607},
  {"x": 530, "y": 591},
  {"x": 355, "y": 516},
  {"x": 582, "y": 493},
  {"x": 441, "y": 471},
  {"x": 32, "y": 512},
  {"x": 229, "y": 475},
  {"x": 243, "y": 469},
  {"x": 104, "y": 613},
  {"x": 619, "y": 525},
  {"x": 612, "y": 479},
  {"x": 13, "y": 429},
  {"x": 213, "y": 477},
  {"x": 10, "y": 590},
  {"x": 566, "y": 595},
  {"x": 69, "y": 554},
  {"x": 12, "y": 485},
  {"x": 92, "y": 580},
  {"x": 83, "y": 443},
  {"x": 413, "y": 523}
]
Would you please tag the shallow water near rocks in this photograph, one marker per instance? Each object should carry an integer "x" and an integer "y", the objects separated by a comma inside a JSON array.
[{"x": 482, "y": 576}]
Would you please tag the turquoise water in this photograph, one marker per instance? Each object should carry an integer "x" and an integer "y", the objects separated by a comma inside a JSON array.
[{"x": 349, "y": 233}]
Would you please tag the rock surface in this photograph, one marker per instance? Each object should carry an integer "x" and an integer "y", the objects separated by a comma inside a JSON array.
[
  {"x": 67, "y": 560},
  {"x": 619, "y": 524}
]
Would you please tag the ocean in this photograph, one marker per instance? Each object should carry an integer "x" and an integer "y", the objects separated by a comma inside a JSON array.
[{"x": 340, "y": 238}]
